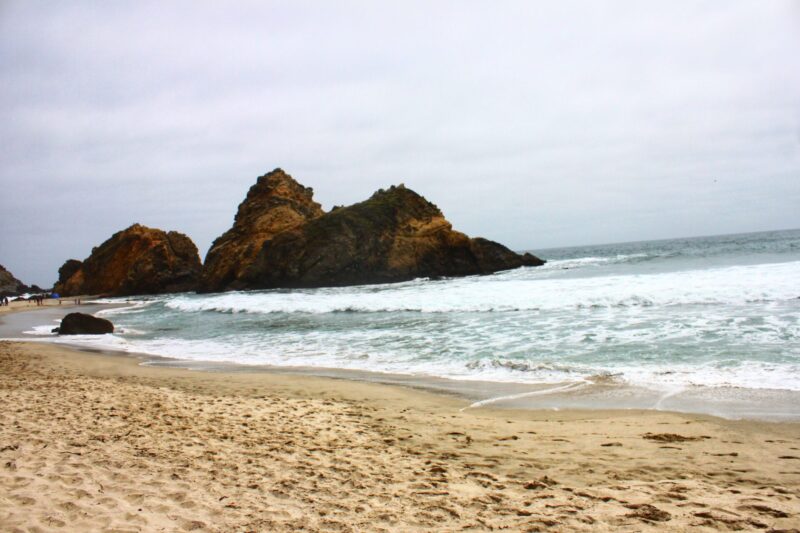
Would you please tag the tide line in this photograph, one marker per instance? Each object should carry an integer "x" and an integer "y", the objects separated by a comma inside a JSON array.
[
  {"x": 570, "y": 386},
  {"x": 667, "y": 395}
]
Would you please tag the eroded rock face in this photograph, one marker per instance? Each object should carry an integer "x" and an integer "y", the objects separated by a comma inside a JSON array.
[
  {"x": 66, "y": 271},
  {"x": 395, "y": 235},
  {"x": 9, "y": 285},
  {"x": 137, "y": 260},
  {"x": 83, "y": 324},
  {"x": 276, "y": 203}
]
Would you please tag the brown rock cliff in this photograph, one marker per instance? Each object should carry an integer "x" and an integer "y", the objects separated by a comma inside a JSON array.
[
  {"x": 70, "y": 267},
  {"x": 276, "y": 203},
  {"x": 137, "y": 260}
]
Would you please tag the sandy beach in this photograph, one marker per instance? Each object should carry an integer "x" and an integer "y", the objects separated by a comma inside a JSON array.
[
  {"x": 54, "y": 306},
  {"x": 96, "y": 442},
  {"x": 18, "y": 306}
]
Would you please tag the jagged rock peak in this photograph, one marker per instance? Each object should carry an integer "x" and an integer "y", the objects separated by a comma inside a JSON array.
[
  {"x": 401, "y": 202},
  {"x": 274, "y": 204},
  {"x": 136, "y": 260},
  {"x": 273, "y": 189}
]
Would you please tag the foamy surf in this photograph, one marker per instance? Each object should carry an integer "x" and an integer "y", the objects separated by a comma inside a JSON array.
[{"x": 736, "y": 285}]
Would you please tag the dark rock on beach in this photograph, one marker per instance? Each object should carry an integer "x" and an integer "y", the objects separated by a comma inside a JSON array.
[
  {"x": 282, "y": 238},
  {"x": 137, "y": 260},
  {"x": 83, "y": 324}
]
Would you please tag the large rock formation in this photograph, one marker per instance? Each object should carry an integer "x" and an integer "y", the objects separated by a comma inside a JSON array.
[
  {"x": 274, "y": 204},
  {"x": 9, "y": 285},
  {"x": 138, "y": 260},
  {"x": 281, "y": 238}
]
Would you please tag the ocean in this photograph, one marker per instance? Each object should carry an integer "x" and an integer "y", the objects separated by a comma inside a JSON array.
[{"x": 708, "y": 324}]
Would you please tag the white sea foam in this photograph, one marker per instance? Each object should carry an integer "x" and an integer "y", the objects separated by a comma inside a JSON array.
[
  {"x": 521, "y": 290},
  {"x": 108, "y": 341},
  {"x": 130, "y": 306},
  {"x": 43, "y": 330},
  {"x": 590, "y": 261},
  {"x": 669, "y": 376}
]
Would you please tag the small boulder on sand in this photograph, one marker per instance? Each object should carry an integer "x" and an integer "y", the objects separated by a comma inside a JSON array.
[{"x": 83, "y": 324}]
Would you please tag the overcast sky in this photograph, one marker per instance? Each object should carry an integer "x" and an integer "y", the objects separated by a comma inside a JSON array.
[{"x": 537, "y": 124}]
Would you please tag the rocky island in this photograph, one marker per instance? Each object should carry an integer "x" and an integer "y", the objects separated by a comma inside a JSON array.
[
  {"x": 281, "y": 237},
  {"x": 137, "y": 260}
]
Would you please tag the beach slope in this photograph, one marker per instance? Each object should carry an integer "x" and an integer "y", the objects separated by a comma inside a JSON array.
[{"x": 95, "y": 442}]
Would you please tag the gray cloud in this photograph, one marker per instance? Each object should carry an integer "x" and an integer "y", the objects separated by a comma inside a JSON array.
[{"x": 535, "y": 124}]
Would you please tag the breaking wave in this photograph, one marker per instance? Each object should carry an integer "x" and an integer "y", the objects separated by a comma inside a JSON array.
[{"x": 523, "y": 290}]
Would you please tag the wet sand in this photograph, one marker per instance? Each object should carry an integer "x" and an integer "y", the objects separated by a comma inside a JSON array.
[{"x": 92, "y": 442}]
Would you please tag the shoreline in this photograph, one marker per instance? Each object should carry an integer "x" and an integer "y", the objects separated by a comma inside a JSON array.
[
  {"x": 585, "y": 394},
  {"x": 100, "y": 442}
]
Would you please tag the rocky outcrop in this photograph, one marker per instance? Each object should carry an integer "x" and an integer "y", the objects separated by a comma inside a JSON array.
[
  {"x": 276, "y": 203},
  {"x": 70, "y": 267},
  {"x": 137, "y": 260},
  {"x": 395, "y": 235},
  {"x": 9, "y": 285},
  {"x": 83, "y": 324}
]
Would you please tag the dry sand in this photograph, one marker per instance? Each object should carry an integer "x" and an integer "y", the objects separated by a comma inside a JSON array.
[{"x": 92, "y": 442}]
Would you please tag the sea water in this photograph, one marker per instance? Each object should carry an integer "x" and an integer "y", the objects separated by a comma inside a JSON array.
[{"x": 716, "y": 313}]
